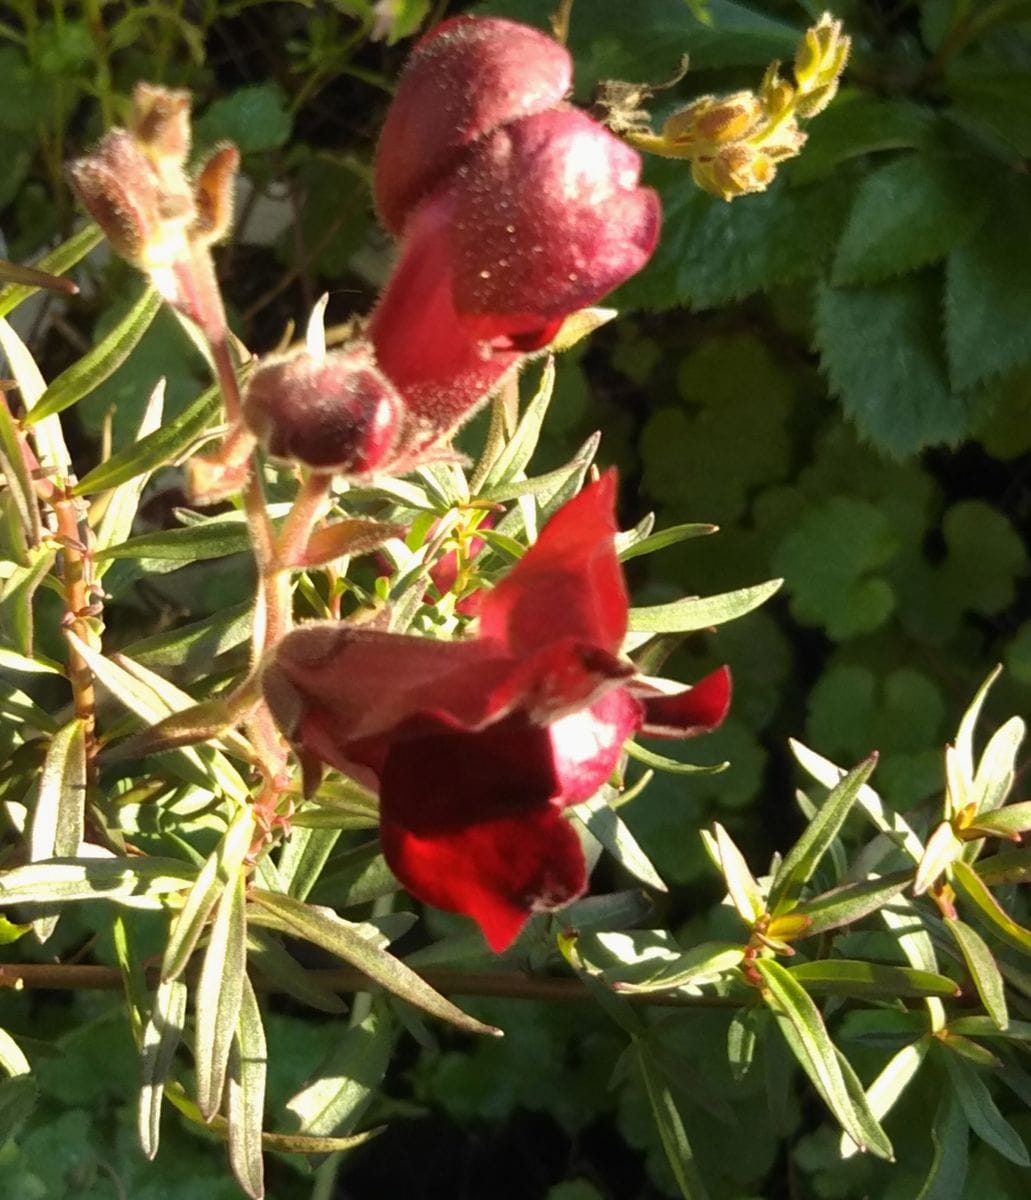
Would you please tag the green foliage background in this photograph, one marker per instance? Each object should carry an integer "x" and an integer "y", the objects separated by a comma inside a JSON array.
[{"x": 837, "y": 372}]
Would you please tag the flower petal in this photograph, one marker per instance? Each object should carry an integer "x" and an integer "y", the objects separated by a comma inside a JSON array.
[
  {"x": 467, "y": 77},
  {"x": 568, "y": 585},
  {"x": 467, "y": 824},
  {"x": 587, "y": 745},
  {"x": 696, "y": 710}
]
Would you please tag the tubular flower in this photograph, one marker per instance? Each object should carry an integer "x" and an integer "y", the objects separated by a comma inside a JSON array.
[
  {"x": 513, "y": 208},
  {"x": 477, "y": 745}
]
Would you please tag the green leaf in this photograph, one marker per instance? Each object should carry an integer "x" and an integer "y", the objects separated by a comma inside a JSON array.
[
  {"x": 58, "y": 822},
  {"x": 805, "y": 856},
  {"x": 664, "y": 973},
  {"x": 355, "y": 877},
  {"x": 16, "y": 599},
  {"x": 995, "y": 773},
  {"x": 982, "y": 1112},
  {"x": 219, "y": 872},
  {"x": 157, "y": 449},
  {"x": 341, "y": 1088},
  {"x": 219, "y": 995},
  {"x": 58, "y": 262},
  {"x": 665, "y": 537},
  {"x": 849, "y": 903},
  {"x": 283, "y": 971},
  {"x": 989, "y": 911},
  {"x": 245, "y": 1095},
  {"x": 100, "y": 362},
  {"x": 607, "y": 826},
  {"x": 985, "y": 1027},
  {"x": 892, "y": 381},
  {"x": 943, "y": 848},
  {"x": 161, "y": 1036},
  {"x": 671, "y": 766},
  {"x": 946, "y": 1179},
  {"x": 694, "y": 613},
  {"x": 988, "y": 296},
  {"x": 139, "y": 882},
  {"x": 742, "y": 1040},
  {"x": 671, "y": 1130},
  {"x": 209, "y": 539},
  {"x": 254, "y": 118},
  {"x": 342, "y": 938},
  {"x": 12, "y": 1057},
  {"x": 516, "y": 454},
  {"x": 968, "y": 726},
  {"x": 889, "y": 1085},
  {"x": 742, "y": 887},
  {"x": 48, "y": 436},
  {"x": 1011, "y": 866},
  {"x": 18, "y": 1096},
  {"x": 194, "y": 646},
  {"x": 908, "y": 214},
  {"x": 983, "y": 970},
  {"x": 16, "y": 475},
  {"x": 994, "y": 102},
  {"x": 855, "y": 125},
  {"x": 849, "y": 977},
  {"x": 802, "y": 1026}
]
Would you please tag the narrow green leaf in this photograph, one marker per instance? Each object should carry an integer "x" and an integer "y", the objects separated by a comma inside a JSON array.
[
  {"x": 266, "y": 953},
  {"x": 550, "y": 489},
  {"x": 665, "y": 537},
  {"x": 193, "y": 646},
  {"x": 851, "y": 977},
  {"x": 17, "y": 594},
  {"x": 12, "y": 1057},
  {"x": 968, "y": 724},
  {"x": 607, "y": 826},
  {"x": 59, "y": 261},
  {"x": 745, "y": 893},
  {"x": 219, "y": 995},
  {"x": 689, "y": 615},
  {"x": 100, "y": 362},
  {"x": 219, "y": 872},
  {"x": 805, "y": 856},
  {"x": 1011, "y": 866},
  {"x": 139, "y": 882},
  {"x": 799, "y": 1020},
  {"x": 950, "y": 1135},
  {"x": 513, "y": 459},
  {"x": 1005, "y": 822},
  {"x": 703, "y": 962},
  {"x": 11, "y": 660},
  {"x": 982, "y": 1112},
  {"x": 47, "y": 436},
  {"x": 245, "y": 1095},
  {"x": 192, "y": 543},
  {"x": 983, "y": 970},
  {"x": 943, "y": 848},
  {"x": 980, "y": 1026},
  {"x": 995, "y": 771},
  {"x": 16, "y": 475},
  {"x": 58, "y": 822},
  {"x": 161, "y": 1037},
  {"x": 989, "y": 911},
  {"x": 671, "y": 1130},
  {"x": 742, "y": 1040},
  {"x": 671, "y": 766},
  {"x": 338, "y": 1093},
  {"x": 324, "y": 928},
  {"x": 851, "y": 902},
  {"x": 889, "y": 1085},
  {"x": 162, "y": 447},
  {"x": 355, "y": 877}
]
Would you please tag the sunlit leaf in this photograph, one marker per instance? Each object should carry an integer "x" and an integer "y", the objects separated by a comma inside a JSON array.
[
  {"x": 889, "y": 1085},
  {"x": 58, "y": 822},
  {"x": 983, "y": 970},
  {"x": 219, "y": 995},
  {"x": 667, "y": 1119},
  {"x": 742, "y": 887},
  {"x": 687, "y": 616},
  {"x": 245, "y": 1095},
  {"x": 851, "y": 902},
  {"x": 989, "y": 911},
  {"x": 982, "y": 1112},
  {"x": 161, "y": 1035},
  {"x": 12, "y": 1057},
  {"x": 139, "y": 882},
  {"x": 853, "y": 977},
  {"x": 608, "y": 827}
]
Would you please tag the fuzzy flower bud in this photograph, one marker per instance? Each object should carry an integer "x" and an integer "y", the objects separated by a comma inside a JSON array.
[{"x": 713, "y": 121}]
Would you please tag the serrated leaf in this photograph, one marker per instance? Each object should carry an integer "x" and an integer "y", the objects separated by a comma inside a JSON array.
[
  {"x": 801, "y": 861},
  {"x": 219, "y": 871},
  {"x": 908, "y": 214},
  {"x": 851, "y": 902},
  {"x": 889, "y": 1085},
  {"x": 672, "y": 1134},
  {"x": 892, "y": 381},
  {"x": 988, "y": 295},
  {"x": 982, "y": 1113},
  {"x": 57, "y": 262},
  {"x": 989, "y": 911},
  {"x": 161, "y": 1036},
  {"x": 139, "y": 882},
  {"x": 983, "y": 970},
  {"x": 339, "y": 937},
  {"x": 608, "y": 827},
  {"x": 339, "y": 1091},
  {"x": 245, "y": 1095},
  {"x": 100, "y": 362},
  {"x": 851, "y": 977},
  {"x": 219, "y": 995},
  {"x": 159, "y": 448},
  {"x": 58, "y": 822},
  {"x": 858, "y": 124},
  {"x": 694, "y": 613},
  {"x": 799, "y": 1020}
]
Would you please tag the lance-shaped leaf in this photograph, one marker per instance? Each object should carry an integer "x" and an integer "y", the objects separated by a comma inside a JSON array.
[
  {"x": 519, "y": 449},
  {"x": 942, "y": 850},
  {"x": 342, "y": 938},
  {"x": 889, "y": 1085},
  {"x": 245, "y": 1095},
  {"x": 220, "y": 870},
  {"x": 60, "y": 260},
  {"x": 1009, "y": 822},
  {"x": 99, "y": 363},
  {"x": 665, "y": 537},
  {"x": 47, "y": 436},
  {"x": 58, "y": 823},
  {"x": 693, "y": 613},
  {"x": 745, "y": 894},
  {"x": 982, "y": 1112},
  {"x": 17, "y": 595},
  {"x": 355, "y": 877},
  {"x": 989, "y": 911},
  {"x": 16, "y": 475},
  {"x": 551, "y": 490},
  {"x": 608, "y": 827},
  {"x": 193, "y": 646},
  {"x": 802, "y": 1026},
  {"x": 339, "y": 1091},
  {"x": 163, "y": 446},
  {"x": 116, "y": 523},
  {"x": 985, "y": 1027},
  {"x": 704, "y": 962},
  {"x": 12, "y": 1057},
  {"x": 348, "y": 538},
  {"x": 950, "y": 1135},
  {"x": 804, "y": 857},
  {"x": 852, "y": 977},
  {"x": 995, "y": 771},
  {"x": 965, "y": 736},
  {"x": 191, "y": 543},
  {"x": 742, "y": 1039},
  {"x": 138, "y": 882},
  {"x": 671, "y": 766},
  {"x": 219, "y": 995},
  {"x": 849, "y": 903},
  {"x": 284, "y": 973},
  {"x": 669, "y": 1124},
  {"x": 984, "y": 970},
  {"x": 161, "y": 1037},
  {"x": 1010, "y": 866}
]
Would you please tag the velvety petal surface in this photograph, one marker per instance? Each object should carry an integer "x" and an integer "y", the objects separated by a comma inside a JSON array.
[
  {"x": 695, "y": 710},
  {"x": 465, "y": 78},
  {"x": 467, "y": 825},
  {"x": 569, "y": 584},
  {"x": 586, "y": 745}
]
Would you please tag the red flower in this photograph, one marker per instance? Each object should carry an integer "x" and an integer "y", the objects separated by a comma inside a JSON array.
[{"x": 478, "y": 745}]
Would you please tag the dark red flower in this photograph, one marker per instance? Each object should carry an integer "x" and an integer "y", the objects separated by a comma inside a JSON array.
[{"x": 477, "y": 745}]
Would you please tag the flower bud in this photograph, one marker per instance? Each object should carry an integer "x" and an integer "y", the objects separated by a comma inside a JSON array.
[
  {"x": 160, "y": 123},
  {"x": 821, "y": 55},
  {"x": 463, "y": 80},
  {"x": 340, "y": 414},
  {"x": 714, "y": 120}
]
